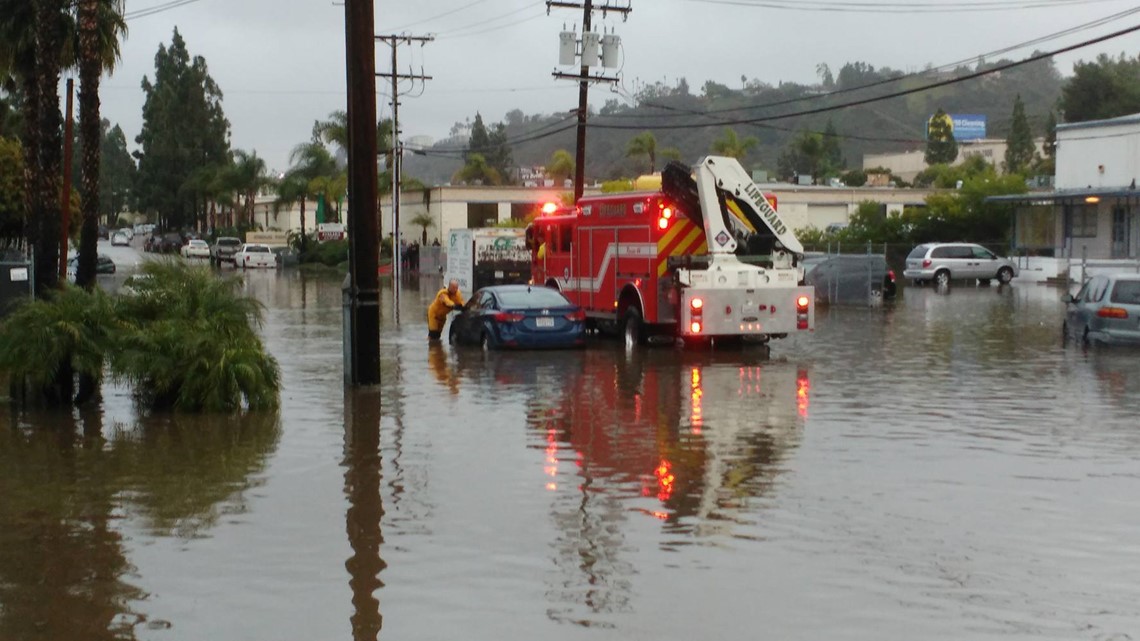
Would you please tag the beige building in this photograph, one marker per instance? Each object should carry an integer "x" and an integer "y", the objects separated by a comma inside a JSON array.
[{"x": 908, "y": 164}]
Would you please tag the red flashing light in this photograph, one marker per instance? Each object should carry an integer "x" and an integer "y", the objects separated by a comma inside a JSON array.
[
  {"x": 667, "y": 213},
  {"x": 508, "y": 317},
  {"x": 549, "y": 208},
  {"x": 802, "y": 302},
  {"x": 696, "y": 304},
  {"x": 695, "y": 327},
  {"x": 662, "y": 223}
]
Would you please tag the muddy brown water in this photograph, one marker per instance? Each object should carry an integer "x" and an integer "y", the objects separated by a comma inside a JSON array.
[{"x": 937, "y": 468}]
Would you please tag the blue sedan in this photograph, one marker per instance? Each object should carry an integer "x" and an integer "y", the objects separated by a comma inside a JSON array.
[{"x": 522, "y": 316}]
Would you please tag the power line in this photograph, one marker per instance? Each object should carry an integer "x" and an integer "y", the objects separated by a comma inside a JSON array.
[
  {"x": 896, "y": 8},
  {"x": 896, "y": 94},
  {"x": 441, "y": 15},
  {"x": 894, "y": 79},
  {"x": 156, "y": 9}
]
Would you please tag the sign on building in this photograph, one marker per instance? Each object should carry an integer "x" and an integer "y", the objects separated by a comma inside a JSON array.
[
  {"x": 966, "y": 126},
  {"x": 330, "y": 231}
]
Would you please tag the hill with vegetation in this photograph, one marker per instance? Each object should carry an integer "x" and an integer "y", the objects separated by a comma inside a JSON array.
[{"x": 772, "y": 123}]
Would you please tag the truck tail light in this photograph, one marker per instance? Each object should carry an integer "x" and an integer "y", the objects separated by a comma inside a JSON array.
[
  {"x": 695, "y": 327},
  {"x": 697, "y": 304},
  {"x": 802, "y": 303},
  {"x": 1112, "y": 312},
  {"x": 662, "y": 223},
  {"x": 576, "y": 316},
  {"x": 508, "y": 317}
]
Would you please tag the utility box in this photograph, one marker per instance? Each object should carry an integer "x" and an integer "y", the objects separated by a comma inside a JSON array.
[
  {"x": 591, "y": 41},
  {"x": 611, "y": 47},
  {"x": 482, "y": 257},
  {"x": 567, "y": 48}
]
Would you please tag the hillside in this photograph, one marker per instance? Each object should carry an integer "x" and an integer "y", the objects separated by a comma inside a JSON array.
[{"x": 677, "y": 117}]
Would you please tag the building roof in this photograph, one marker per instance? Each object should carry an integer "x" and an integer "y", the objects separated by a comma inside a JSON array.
[
  {"x": 1107, "y": 122},
  {"x": 1066, "y": 195}
]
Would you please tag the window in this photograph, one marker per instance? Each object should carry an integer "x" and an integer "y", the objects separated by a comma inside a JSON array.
[
  {"x": 983, "y": 253},
  {"x": 533, "y": 298},
  {"x": 940, "y": 252},
  {"x": 567, "y": 235},
  {"x": 1081, "y": 221},
  {"x": 1095, "y": 289},
  {"x": 1126, "y": 292},
  {"x": 918, "y": 252}
]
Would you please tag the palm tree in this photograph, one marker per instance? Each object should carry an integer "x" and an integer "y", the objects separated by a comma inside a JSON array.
[
  {"x": 423, "y": 220},
  {"x": 732, "y": 146},
  {"x": 310, "y": 161},
  {"x": 334, "y": 131},
  {"x": 561, "y": 166},
  {"x": 294, "y": 188},
  {"x": 101, "y": 26},
  {"x": 643, "y": 144},
  {"x": 247, "y": 176}
]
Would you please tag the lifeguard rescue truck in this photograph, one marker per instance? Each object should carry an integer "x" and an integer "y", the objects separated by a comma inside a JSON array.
[{"x": 666, "y": 262}]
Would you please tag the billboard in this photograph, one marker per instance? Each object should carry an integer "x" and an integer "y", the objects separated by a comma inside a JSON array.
[{"x": 966, "y": 126}]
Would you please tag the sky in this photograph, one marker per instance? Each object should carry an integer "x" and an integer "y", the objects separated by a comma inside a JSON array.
[{"x": 280, "y": 63}]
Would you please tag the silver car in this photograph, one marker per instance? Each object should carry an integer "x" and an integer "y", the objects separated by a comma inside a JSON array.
[
  {"x": 1105, "y": 310},
  {"x": 943, "y": 262}
]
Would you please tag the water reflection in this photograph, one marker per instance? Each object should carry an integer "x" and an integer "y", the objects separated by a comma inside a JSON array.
[
  {"x": 628, "y": 436},
  {"x": 67, "y": 498},
  {"x": 365, "y": 509}
]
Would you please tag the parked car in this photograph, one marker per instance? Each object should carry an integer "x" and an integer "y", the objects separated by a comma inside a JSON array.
[
  {"x": 120, "y": 238},
  {"x": 1106, "y": 310},
  {"x": 849, "y": 278},
  {"x": 103, "y": 265},
  {"x": 255, "y": 255},
  {"x": 525, "y": 316},
  {"x": 171, "y": 242},
  {"x": 224, "y": 249},
  {"x": 196, "y": 249},
  {"x": 943, "y": 262},
  {"x": 128, "y": 231}
]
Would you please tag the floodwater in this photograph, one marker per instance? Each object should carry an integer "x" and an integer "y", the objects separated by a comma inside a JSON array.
[{"x": 936, "y": 468}]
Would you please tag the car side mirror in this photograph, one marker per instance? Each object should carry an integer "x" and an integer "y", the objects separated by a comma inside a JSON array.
[{"x": 1069, "y": 299}]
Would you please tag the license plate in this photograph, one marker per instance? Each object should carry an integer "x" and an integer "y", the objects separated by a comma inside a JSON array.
[{"x": 544, "y": 321}]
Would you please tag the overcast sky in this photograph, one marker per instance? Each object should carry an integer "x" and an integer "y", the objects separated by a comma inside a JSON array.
[{"x": 280, "y": 63}]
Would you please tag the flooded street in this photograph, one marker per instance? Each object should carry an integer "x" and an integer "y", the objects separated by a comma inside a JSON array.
[{"x": 936, "y": 468}]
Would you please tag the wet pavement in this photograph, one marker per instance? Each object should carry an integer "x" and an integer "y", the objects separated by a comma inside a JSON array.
[{"x": 936, "y": 468}]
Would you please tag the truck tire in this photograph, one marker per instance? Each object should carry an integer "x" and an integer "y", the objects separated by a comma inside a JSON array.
[{"x": 633, "y": 328}]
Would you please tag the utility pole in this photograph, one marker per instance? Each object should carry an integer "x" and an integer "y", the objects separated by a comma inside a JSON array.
[
  {"x": 394, "y": 41},
  {"x": 589, "y": 57},
  {"x": 362, "y": 292}
]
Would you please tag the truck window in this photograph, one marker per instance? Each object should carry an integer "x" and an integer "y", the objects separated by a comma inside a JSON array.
[{"x": 567, "y": 233}]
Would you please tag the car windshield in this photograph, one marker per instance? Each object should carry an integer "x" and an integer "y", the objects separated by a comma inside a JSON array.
[
  {"x": 1126, "y": 292},
  {"x": 534, "y": 298}
]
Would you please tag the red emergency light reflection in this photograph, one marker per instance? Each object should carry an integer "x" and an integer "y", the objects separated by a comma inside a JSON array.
[
  {"x": 803, "y": 392},
  {"x": 665, "y": 480}
]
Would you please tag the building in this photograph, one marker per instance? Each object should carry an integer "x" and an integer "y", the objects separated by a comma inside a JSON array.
[
  {"x": 1090, "y": 221},
  {"x": 454, "y": 207},
  {"x": 908, "y": 164}
]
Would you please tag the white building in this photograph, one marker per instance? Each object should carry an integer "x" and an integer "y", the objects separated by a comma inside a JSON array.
[
  {"x": 908, "y": 164},
  {"x": 1091, "y": 219}
]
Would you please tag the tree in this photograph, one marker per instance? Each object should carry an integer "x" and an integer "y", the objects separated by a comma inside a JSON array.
[
  {"x": 732, "y": 146},
  {"x": 246, "y": 176},
  {"x": 1019, "y": 148},
  {"x": 423, "y": 220},
  {"x": 643, "y": 144},
  {"x": 184, "y": 128},
  {"x": 941, "y": 148},
  {"x": 492, "y": 146},
  {"x": 831, "y": 160},
  {"x": 1105, "y": 88},
  {"x": 310, "y": 161},
  {"x": 561, "y": 166},
  {"x": 11, "y": 190},
  {"x": 478, "y": 171},
  {"x": 100, "y": 28},
  {"x": 1051, "y": 136},
  {"x": 116, "y": 172}
]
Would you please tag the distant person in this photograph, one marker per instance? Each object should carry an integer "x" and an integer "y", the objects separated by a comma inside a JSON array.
[
  {"x": 435, "y": 243},
  {"x": 446, "y": 301}
]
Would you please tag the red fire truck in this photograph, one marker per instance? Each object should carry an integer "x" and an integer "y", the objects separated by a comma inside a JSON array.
[{"x": 669, "y": 262}]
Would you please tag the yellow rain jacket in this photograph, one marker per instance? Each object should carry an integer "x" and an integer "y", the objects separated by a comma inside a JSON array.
[{"x": 443, "y": 303}]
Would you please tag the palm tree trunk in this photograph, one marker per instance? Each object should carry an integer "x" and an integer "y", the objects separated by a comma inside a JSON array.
[
  {"x": 90, "y": 68},
  {"x": 48, "y": 122},
  {"x": 304, "y": 238}
]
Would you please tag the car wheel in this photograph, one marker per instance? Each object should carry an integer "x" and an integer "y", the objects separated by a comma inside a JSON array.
[
  {"x": 633, "y": 328},
  {"x": 1005, "y": 275},
  {"x": 942, "y": 277}
]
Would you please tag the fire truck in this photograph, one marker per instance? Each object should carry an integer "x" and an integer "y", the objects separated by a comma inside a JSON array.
[{"x": 706, "y": 256}]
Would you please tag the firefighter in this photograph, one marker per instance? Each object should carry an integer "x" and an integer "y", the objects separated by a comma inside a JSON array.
[{"x": 446, "y": 301}]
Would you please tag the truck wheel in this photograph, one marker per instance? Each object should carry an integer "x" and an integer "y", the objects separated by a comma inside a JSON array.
[{"x": 634, "y": 328}]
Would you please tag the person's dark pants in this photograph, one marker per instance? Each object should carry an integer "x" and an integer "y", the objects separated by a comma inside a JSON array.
[{"x": 434, "y": 336}]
